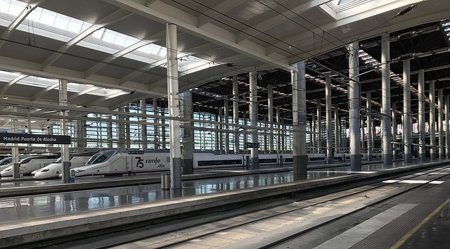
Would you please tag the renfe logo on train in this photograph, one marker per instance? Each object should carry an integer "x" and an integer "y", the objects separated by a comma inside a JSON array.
[
  {"x": 34, "y": 139},
  {"x": 140, "y": 162}
]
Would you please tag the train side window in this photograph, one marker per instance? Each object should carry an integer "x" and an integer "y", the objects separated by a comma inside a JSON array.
[
  {"x": 269, "y": 160},
  {"x": 289, "y": 160},
  {"x": 218, "y": 162}
]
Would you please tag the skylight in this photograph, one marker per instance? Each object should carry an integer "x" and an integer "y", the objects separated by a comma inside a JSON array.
[
  {"x": 46, "y": 83},
  {"x": 109, "y": 41},
  {"x": 340, "y": 9},
  {"x": 445, "y": 25}
]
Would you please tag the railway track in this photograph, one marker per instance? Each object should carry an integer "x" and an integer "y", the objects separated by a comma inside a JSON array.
[{"x": 183, "y": 229}]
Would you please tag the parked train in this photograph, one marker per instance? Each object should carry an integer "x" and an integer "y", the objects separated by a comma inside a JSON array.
[
  {"x": 54, "y": 169},
  {"x": 345, "y": 157},
  {"x": 5, "y": 162},
  {"x": 29, "y": 164},
  {"x": 111, "y": 162}
]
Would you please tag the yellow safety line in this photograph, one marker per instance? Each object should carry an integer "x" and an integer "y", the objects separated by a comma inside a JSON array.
[{"x": 414, "y": 230}]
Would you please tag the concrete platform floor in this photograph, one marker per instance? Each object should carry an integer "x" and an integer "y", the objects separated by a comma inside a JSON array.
[
  {"x": 45, "y": 205},
  {"x": 37, "y": 206}
]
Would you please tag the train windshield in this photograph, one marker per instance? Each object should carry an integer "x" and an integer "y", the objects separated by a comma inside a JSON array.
[
  {"x": 101, "y": 157},
  {"x": 5, "y": 161},
  {"x": 58, "y": 160}
]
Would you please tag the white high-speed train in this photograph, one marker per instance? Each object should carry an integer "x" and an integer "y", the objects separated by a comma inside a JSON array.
[
  {"x": 54, "y": 169},
  {"x": 111, "y": 162},
  {"x": 4, "y": 163},
  {"x": 29, "y": 164},
  {"x": 342, "y": 157}
]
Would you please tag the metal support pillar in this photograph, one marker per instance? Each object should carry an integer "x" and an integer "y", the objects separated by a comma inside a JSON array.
[
  {"x": 432, "y": 123},
  {"x": 127, "y": 129},
  {"x": 254, "y": 161},
  {"x": 227, "y": 134},
  {"x": 244, "y": 121},
  {"x": 121, "y": 128},
  {"x": 174, "y": 106},
  {"x": 363, "y": 147},
  {"x": 278, "y": 120},
  {"x": 283, "y": 136},
  {"x": 188, "y": 133},
  {"x": 369, "y": 126},
  {"x": 386, "y": 100},
  {"x": 441, "y": 123},
  {"x": 313, "y": 133},
  {"x": 270, "y": 116},
  {"x": 394, "y": 123},
  {"x": 81, "y": 134},
  {"x": 109, "y": 132},
  {"x": 236, "y": 113},
  {"x": 15, "y": 149},
  {"x": 447, "y": 132},
  {"x": 354, "y": 112},
  {"x": 300, "y": 157},
  {"x": 163, "y": 129},
  {"x": 407, "y": 115},
  {"x": 336, "y": 131},
  {"x": 155, "y": 127},
  {"x": 65, "y": 153},
  {"x": 221, "y": 119},
  {"x": 328, "y": 120},
  {"x": 143, "y": 107},
  {"x": 319, "y": 126},
  {"x": 421, "y": 107}
]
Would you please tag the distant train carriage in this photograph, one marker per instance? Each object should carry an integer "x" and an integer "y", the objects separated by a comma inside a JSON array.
[
  {"x": 30, "y": 164},
  {"x": 54, "y": 169}
]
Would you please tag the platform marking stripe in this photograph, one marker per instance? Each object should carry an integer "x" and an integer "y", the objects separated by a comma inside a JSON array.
[
  {"x": 358, "y": 233},
  {"x": 418, "y": 226}
]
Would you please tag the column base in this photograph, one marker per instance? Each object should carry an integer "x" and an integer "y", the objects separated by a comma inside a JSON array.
[
  {"x": 188, "y": 166},
  {"x": 175, "y": 174},
  {"x": 16, "y": 170},
  {"x": 387, "y": 159},
  {"x": 423, "y": 157},
  {"x": 300, "y": 167},
  {"x": 254, "y": 163},
  {"x": 66, "y": 172},
  {"x": 408, "y": 158},
  {"x": 355, "y": 162}
]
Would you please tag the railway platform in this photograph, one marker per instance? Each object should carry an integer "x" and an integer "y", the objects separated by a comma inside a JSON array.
[{"x": 30, "y": 218}]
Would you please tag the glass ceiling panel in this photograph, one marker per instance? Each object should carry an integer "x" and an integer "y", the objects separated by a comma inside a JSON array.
[{"x": 54, "y": 22}]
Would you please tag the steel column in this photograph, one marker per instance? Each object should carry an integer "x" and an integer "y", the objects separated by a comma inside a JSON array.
[
  {"x": 270, "y": 115},
  {"x": 226, "y": 118},
  {"x": 440, "y": 123},
  {"x": 143, "y": 107},
  {"x": 369, "y": 126},
  {"x": 174, "y": 106},
  {"x": 354, "y": 112},
  {"x": 319, "y": 126},
  {"x": 254, "y": 161},
  {"x": 236, "y": 113},
  {"x": 447, "y": 132},
  {"x": 328, "y": 119},
  {"x": 386, "y": 100},
  {"x": 187, "y": 158},
  {"x": 431, "y": 121},
  {"x": 421, "y": 107},
  {"x": 407, "y": 115},
  {"x": 300, "y": 156},
  {"x": 65, "y": 153}
]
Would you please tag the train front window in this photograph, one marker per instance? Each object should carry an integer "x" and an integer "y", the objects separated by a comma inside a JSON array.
[
  {"x": 5, "y": 161},
  {"x": 92, "y": 159},
  {"x": 104, "y": 156},
  {"x": 25, "y": 160}
]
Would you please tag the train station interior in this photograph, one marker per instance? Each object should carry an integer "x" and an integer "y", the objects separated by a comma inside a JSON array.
[{"x": 225, "y": 124}]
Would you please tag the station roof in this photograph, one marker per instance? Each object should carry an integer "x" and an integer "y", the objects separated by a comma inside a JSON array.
[{"x": 113, "y": 52}]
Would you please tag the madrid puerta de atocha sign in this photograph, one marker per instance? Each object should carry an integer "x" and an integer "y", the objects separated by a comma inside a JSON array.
[{"x": 33, "y": 139}]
